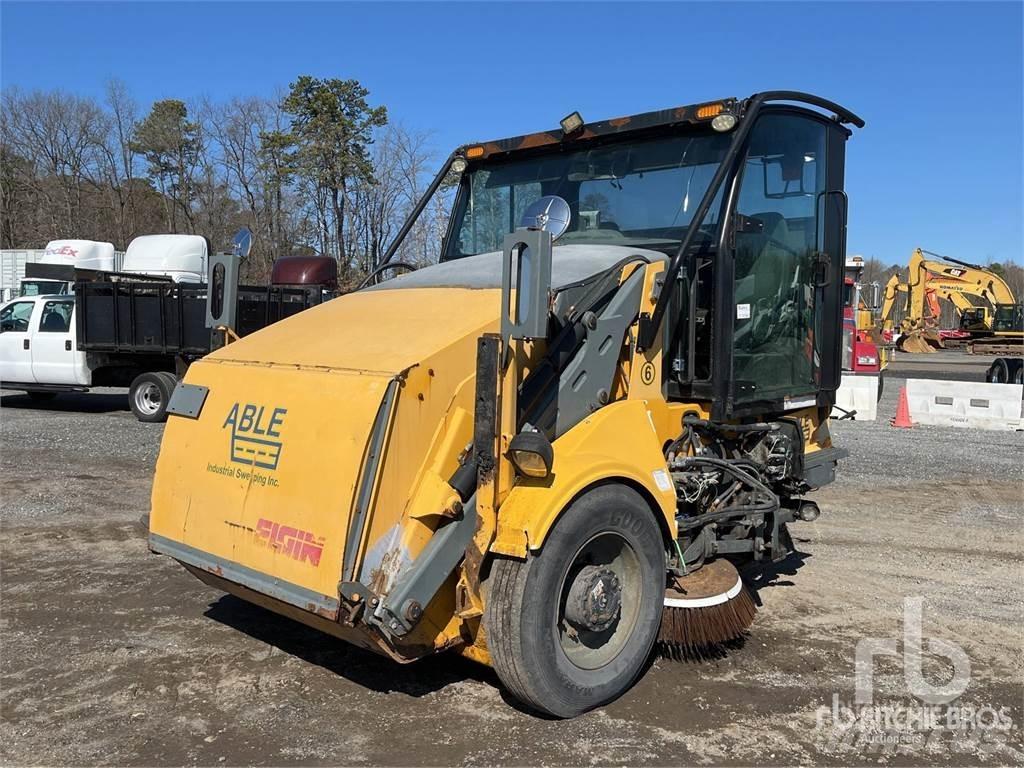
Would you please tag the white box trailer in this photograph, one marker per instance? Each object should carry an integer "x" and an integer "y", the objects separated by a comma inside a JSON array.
[{"x": 12, "y": 269}]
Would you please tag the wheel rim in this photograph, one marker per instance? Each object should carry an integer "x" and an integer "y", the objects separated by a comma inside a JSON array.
[
  {"x": 600, "y": 598},
  {"x": 148, "y": 398}
]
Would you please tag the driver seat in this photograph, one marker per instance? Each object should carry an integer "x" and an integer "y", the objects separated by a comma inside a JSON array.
[{"x": 53, "y": 322}]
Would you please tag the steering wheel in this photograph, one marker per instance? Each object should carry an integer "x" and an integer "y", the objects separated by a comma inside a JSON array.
[{"x": 370, "y": 278}]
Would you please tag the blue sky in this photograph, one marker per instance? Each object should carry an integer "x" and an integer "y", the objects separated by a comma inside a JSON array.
[{"x": 940, "y": 84}]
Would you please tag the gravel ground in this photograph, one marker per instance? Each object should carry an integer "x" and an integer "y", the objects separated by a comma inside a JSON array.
[{"x": 111, "y": 655}]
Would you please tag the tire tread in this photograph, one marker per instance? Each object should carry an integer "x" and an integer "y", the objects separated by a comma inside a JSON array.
[{"x": 504, "y": 606}]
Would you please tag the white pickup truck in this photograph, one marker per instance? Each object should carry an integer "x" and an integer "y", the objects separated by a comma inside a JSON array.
[
  {"x": 39, "y": 354},
  {"x": 141, "y": 331}
]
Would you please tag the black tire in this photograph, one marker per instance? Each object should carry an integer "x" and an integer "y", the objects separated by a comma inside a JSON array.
[
  {"x": 881, "y": 386},
  {"x": 149, "y": 394},
  {"x": 41, "y": 397},
  {"x": 525, "y": 621},
  {"x": 998, "y": 372},
  {"x": 1016, "y": 375},
  {"x": 172, "y": 380}
]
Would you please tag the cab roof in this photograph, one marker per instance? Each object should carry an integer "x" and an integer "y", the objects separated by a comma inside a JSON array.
[
  {"x": 701, "y": 112},
  {"x": 661, "y": 118}
]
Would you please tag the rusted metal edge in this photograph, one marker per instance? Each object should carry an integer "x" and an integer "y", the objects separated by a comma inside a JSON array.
[
  {"x": 368, "y": 480},
  {"x": 293, "y": 594}
]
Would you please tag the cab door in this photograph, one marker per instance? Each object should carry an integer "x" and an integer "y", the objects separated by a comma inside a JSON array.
[
  {"x": 788, "y": 257},
  {"x": 54, "y": 357},
  {"x": 15, "y": 341}
]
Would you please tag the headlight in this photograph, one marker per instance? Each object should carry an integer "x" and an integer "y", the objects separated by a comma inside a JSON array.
[
  {"x": 724, "y": 122},
  {"x": 867, "y": 360},
  {"x": 532, "y": 454}
]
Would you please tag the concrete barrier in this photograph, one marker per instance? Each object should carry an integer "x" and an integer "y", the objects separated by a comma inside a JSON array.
[
  {"x": 857, "y": 393},
  {"x": 965, "y": 404}
]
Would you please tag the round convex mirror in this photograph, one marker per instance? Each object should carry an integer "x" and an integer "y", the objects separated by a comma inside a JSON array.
[
  {"x": 550, "y": 213},
  {"x": 242, "y": 242}
]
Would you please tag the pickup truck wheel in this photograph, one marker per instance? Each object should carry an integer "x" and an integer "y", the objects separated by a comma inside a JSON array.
[
  {"x": 148, "y": 396},
  {"x": 998, "y": 372},
  {"x": 1013, "y": 370},
  {"x": 572, "y": 627}
]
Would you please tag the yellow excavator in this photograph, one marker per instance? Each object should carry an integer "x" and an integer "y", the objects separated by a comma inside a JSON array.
[
  {"x": 932, "y": 280},
  {"x": 562, "y": 445}
]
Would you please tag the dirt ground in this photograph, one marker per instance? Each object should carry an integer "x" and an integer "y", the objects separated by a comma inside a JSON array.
[{"x": 112, "y": 655}]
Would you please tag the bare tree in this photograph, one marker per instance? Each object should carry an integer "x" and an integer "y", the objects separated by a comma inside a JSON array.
[
  {"x": 119, "y": 159},
  {"x": 60, "y": 136},
  {"x": 73, "y": 167}
]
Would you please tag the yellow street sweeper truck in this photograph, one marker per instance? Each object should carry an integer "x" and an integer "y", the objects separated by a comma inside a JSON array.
[{"x": 560, "y": 446}]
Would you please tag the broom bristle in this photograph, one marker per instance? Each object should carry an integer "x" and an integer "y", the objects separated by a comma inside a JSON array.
[{"x": 714, "y": 623}]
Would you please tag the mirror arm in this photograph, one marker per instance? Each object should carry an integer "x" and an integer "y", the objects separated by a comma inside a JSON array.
[
  {"x": 410, "y": 220},
  {"x": 750, "y": 108},
  {"x": 649, "y": 329}
]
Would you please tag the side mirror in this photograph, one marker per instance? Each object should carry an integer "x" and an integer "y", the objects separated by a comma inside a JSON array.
[
  {"x": 241, "y": 243},
  {"x": 876, "y": 296},
  {"x": 550, "y": 213}
]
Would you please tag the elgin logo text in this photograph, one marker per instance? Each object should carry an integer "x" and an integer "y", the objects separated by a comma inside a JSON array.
[
  {"x": 291, "y": 542},
  {"x": 255, "y": 434}
]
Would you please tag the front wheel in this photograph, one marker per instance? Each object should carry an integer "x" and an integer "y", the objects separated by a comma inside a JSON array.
[
  {"x": 571, "y": 628},
  {"x": 149, "y": 395}
]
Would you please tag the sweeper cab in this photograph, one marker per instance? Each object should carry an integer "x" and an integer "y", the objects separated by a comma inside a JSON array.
[{"x": 562, "y": 445}]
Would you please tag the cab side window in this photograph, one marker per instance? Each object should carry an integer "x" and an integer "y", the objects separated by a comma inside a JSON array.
[
  {"x": 56, "y": 317},
  {"x": 778, "y": 237},
  {"x": 14, "y": 317}
]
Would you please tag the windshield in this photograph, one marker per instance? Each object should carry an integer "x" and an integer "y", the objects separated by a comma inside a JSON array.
[
  {"x": 1009, "y": 317},
  {"x": 43, "y": 287},
  {"x": 642, "y": 193}
]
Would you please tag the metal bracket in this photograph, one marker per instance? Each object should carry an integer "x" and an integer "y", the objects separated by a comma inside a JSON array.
[
  {"x": 402, "y": 608},
  {"x": 222, "y": 290},
  {"x": 585, "y": 384},
  {"x": 187, "y": 400},
  {"x": 530, "y": 249}
]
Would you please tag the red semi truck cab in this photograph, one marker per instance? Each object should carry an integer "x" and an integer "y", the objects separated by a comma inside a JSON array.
[{"x": 860, "y": 353}]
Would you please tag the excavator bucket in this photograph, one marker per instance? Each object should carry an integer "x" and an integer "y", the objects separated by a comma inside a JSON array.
[{"x": 915, "y": 342}]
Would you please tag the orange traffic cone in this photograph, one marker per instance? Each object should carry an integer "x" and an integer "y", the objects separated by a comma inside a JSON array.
[{"x": 902, "y": 419}]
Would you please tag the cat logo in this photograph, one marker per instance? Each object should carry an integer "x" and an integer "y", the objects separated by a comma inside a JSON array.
[{"x": 255, "y": 436}]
